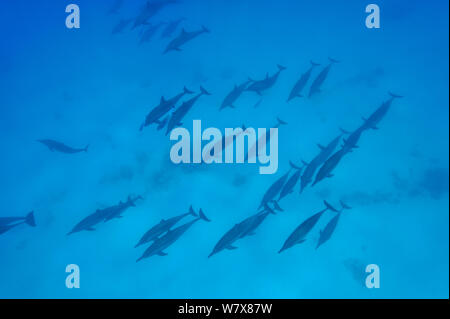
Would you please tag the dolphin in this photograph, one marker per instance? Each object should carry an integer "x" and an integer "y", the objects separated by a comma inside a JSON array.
[
  {"x": 117, "y": 210},
  {"x": 240, "y": 230},
  {"x": 311, "y": 167},
  {"x": 329, "y": 165},
  {"x": 227, "y": 240},
  {"x": 162, "y": 227},
  {"x": 183, "y": 38},
  {"x": 121, "y": 25},
  {"x": 89, "y": 222},
  {"x": 299, "y": 233},
  {"x": 274, "y": 189},
  {"x": 252, "y": 223},
  {"x": 148, "y": 34},
  {"x": 372, "y": 121},
  {"x": 300, "y": 84},
  {"x": 103, "y": 215},
  {"x": 180, "y": 113},
  {"x": 158, "y": 246},
  {"x": 171, "y": 28},
  {"x": 60, "y": 147},
  {"x": 149, "y": 10},
  {"x": 7, "y": 223},
  {"x": 267, "y": 83},
  {"x": 163, "y": 107},
  {"x": 291, "y": 182},
  {"x": 352, "y": 140},
  {"x": 329, "y": 228},
  {"x": 318, "y": 81},
  {"x": 234, "y": 95}
]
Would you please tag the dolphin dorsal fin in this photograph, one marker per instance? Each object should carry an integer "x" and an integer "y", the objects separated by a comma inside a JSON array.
[
  {"x": 163, "y": 99},
  {"x": 267, "y": 75}
]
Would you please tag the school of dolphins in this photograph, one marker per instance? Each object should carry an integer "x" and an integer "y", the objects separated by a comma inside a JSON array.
[{"x": 169, "y": 114}]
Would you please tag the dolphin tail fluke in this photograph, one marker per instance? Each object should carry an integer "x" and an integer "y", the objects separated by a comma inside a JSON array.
[
  {"x": 86, "y": 148},
  {"x": 276, "y": 206},
  {"x": 280, "y": 67},
  {"x": 314, "y": 63},
  {"x": 344, "y": 205},
  {"x": 204, "y": 91},
  {"x": 344, "y": 131},
  {"x": 192, "y": 212},
  {"x": 186, "y": 91},
  {"x": 333, "y": 60},
  {"x": 281, "y": 122},
  {"x": 294, "y": 166},
  {"x": 205, "y": 29},
  {"x": 139, "y": 259},
  {"x": 395, "y": 96},
  {"x": 328, "y": 205},
  {"x": 29, "y": 219},
  {"x": 203, "y": 216}
]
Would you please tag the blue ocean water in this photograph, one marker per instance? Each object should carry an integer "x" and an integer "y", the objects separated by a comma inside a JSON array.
[{"x": 89, "y": 86}]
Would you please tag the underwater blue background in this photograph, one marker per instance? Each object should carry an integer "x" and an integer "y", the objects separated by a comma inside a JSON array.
[{"x": 88, "y": 86}]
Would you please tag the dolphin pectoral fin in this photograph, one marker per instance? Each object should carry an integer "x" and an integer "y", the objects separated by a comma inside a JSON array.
[
  {"x": 230, "y": 247},
  {"x": 90, "y": 229},
  {"x": 259, "y": 93},
  {"x": 251, "y": 234},
  {"x": 330, "y": 175},
  {"x": 321, "y": 146},
  {"x": 374, "y": 128},
  {"x": 299, "y": 95},
  {"x": 177, "y": 49},
  {"x": 300, "y": 241},
  {"x": 161, "y": 253}
]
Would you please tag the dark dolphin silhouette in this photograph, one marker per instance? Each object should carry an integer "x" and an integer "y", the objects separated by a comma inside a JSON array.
[
  {"x": 265, "y": 84},
  {"x": 288, "y": 188},
  {"x": 372, "y": 121},
  {"x": 180, "y": 113},
  {"x": 301, "y": 83},
  {"x": 158, "y": 246},
  {"x": 182, "y": 38},
  {"x": 60, "y": 147},
  {"x": 162, "y": 109},
  {"x": 234, "y": 95},
  {"x": 311, "y": 167},
  {"x": 326, "y": 233},
  {"x": 8, "y": 223},
  {"x": 318, "y": 81},
  {"x": 299, "y": 233},
  {"x": 162, "y": 227},
  {"x": 329, "y": 165}
]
